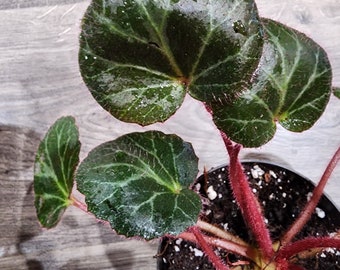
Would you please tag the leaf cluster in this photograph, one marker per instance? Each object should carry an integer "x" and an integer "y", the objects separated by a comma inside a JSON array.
[{"x": 139, "y": 59}]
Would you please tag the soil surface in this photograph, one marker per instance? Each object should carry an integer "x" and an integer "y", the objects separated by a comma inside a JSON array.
[{"x": 282, "y": 195}]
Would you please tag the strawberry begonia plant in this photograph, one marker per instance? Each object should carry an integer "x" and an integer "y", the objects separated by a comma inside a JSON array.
[{"x": 139, "y": 59}]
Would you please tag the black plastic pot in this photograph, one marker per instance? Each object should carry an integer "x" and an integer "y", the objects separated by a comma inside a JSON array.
[{"x": 282, "y": 194}]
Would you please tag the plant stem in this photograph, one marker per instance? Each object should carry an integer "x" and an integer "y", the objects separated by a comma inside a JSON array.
[
  {"x": 310, "y": 206},
  {"x": 248, "y": 203},
  {"x": 82, "y": 206},
  {"x": 79, "y": 204},
  {"x": 307, "y": 243},
  {"x": 215, "y": 260},
  {"x": 313, "y": 251},
  {"x": 220, "y": 233},
  {"x": 230, "y": 246}
]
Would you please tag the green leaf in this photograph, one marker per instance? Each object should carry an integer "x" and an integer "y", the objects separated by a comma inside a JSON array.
[
  {"x": 55, "y": 163},
  {"x": 139, "y": 58},
  {"x": 140, "y": 184},
  {"x": 291, "y": 86},
  {"x": 245, "y": 121},
  {"x": 336, "y": 91}
]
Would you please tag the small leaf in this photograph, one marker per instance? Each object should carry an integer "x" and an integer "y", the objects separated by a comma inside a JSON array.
[
  {"x": 55, "y": 163},
  {"x": 291, "y": 86},
  {"x": 336, "y": 91},
  {"x": 140, "y": 184},
  {"x": 139, "y": 58}
]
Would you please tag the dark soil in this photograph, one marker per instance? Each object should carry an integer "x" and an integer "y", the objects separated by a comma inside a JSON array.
[{"x": 282, "y": 195}]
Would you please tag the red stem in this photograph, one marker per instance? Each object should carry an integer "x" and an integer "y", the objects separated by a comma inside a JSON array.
[
  {"x": 305, "y": 244},
  {"x": 225, "y": 235},
  {"x": 82, "y": 206},
  {"x": 215, "y": 260},
  {"x": 250, "y": 207},
  {"x": 79, "y": 204},
  {"x": 285, "y": 265},
  {"x": 310, "y": 206}
]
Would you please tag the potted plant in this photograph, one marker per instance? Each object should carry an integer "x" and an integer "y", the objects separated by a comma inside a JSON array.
[{"x": 139, "y": 59}]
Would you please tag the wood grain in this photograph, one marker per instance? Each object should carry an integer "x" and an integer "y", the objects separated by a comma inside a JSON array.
[
  {"x": 40, "y": 81},
  {"x": 34, "y": 3}
]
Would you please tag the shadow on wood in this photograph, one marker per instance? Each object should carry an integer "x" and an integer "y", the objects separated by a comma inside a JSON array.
[{"x": 77, "y": 242}]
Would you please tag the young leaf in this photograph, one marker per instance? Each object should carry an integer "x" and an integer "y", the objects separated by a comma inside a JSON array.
[
  {"x": 55, "y": 163},
  {"x": 140, "y": 57},
  {"x": 292, "y": 86},
  {"x": 140, "y": 184},
  {"x": 336, "y": 91}
]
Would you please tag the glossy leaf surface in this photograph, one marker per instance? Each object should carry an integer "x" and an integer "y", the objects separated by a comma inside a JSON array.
[
  {"x": 140, "y": 184},
  {"x": 291, "y": 86},
  {"x": 55, "y": 163},
  {"x": 140, "y": 57}
]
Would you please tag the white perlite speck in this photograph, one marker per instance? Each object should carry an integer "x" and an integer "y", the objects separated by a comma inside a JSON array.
[
  {"x": 271, "y": 196},
  {"x": 256, "y": 172},
  {"x": 198, "y": 253},
  {"x": 211, "y": 193},
  {"x": 309, "y": 196},
  {"x": 320, "y": 212},
  {"x": 323, "y": 255},
  {"x": 272, "y": 174}
]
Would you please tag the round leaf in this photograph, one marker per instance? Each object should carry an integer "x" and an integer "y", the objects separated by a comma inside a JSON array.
[
  {"x": 140, "y": 184},
  {"x": 55, "y": 163},
  {"x": 140, "y": 57},
  {"x": 291, "y": 86}
]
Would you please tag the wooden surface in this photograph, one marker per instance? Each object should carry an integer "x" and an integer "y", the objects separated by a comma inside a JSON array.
[{"x": 40, "y": 81}]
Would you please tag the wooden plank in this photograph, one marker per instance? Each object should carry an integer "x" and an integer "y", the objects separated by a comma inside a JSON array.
[
  {"x": 40, "y": 81},
  {"x": 13, "y": 4}
]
